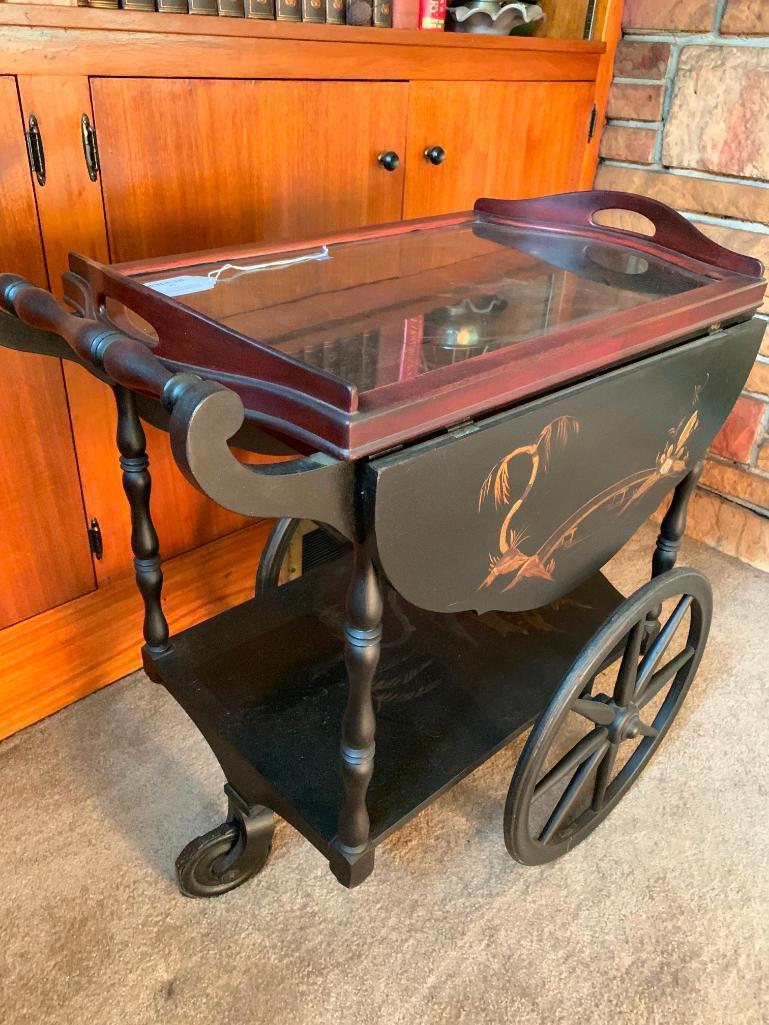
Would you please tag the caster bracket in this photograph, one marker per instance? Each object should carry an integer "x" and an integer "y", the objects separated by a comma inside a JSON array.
[{"x": 225, "y": 857}]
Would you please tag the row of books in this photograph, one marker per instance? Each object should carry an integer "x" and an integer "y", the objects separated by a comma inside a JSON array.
[{"x": 424, "y": 14}]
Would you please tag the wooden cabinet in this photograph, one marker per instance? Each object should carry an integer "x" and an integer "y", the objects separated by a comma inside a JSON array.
[
  {"x": 217, "y": 134},
  {"x": 46, "y": 557},
  {"x": 500, "y": 139},
  {"x": 228, "y": 162}
]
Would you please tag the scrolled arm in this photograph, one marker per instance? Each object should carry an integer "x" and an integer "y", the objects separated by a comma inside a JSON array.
[{"x": 204, "y": 416}]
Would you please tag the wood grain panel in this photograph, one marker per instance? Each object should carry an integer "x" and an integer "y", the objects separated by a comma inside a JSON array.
[
  {"x": 563, "y": 20},
  {"x": 69, "y": 204},
  {"x": 46, "y": 558},
  {"x": 63, "y": 655},
  {"x": 181, "y": 25},
  {"x": 228, "y": 162},
  {"x": 72, "y": 219},
  {"x": 100, "y": 42},
  {"x": 608, "y": 28},
  {"x": 512, "y": 140}
]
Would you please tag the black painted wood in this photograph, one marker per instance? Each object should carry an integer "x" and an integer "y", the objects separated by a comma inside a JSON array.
[
  {"x": 137, "y": 484},
  {"x": 673, "y": 524},
  {"x": 516, "y": 509},
  {"x": 266, "y": 683},
  {"x": 362, "y": 640},
  {"x": 273, "y": 554}
]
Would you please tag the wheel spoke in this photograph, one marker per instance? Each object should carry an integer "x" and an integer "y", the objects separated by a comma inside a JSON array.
[
  {"x": 664, "y": 637},
  {"x": 569, "y": 796},
  {"x": 663, "y": 676},
  {"x": 596, "y": 711},
  {"x": 628, "y": 670},
  {"x": 646, "y": 730},
  {"x": 571, "y": 760},
  {"x": 603, "y": 776}
]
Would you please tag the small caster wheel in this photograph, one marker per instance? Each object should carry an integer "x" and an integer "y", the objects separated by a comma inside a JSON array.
[
  {"x": 225, "y": 857},
  {"x": 586, "y": 750}
]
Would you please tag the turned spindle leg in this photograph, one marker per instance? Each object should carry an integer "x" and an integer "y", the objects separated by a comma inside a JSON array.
[
  {"x": 137, "y": 484},
  {"x": 669, "y": 538},
  {"x": 363, "y": 632}
]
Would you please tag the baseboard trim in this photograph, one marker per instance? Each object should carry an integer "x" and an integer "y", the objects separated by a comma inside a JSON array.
[{"x": 62, "y": 655}]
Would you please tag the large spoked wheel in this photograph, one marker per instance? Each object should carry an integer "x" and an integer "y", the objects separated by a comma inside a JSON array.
[{"x": 587, "y": 749}]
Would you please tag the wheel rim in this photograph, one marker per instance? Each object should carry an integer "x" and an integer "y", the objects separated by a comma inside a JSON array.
[
  {"x": 202, "y": 867},
  {"x": 557, "y": 799}
]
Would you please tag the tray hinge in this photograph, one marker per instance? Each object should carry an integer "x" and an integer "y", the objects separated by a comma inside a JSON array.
[
  {"x": 95, "y": 539},
  {"x": 90, "y": 147},
  {"x": 35, "y": 151},
  {"x": 592, "y": 124}
]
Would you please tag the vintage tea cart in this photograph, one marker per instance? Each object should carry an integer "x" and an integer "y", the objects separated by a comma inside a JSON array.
[{"x": 483, "y": 408}]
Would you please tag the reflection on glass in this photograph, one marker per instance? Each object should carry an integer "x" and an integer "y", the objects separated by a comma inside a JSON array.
[{"x": 376, "y": 311}]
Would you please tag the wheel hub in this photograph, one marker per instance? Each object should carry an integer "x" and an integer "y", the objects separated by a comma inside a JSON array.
[{"x": 627, "y": 723}]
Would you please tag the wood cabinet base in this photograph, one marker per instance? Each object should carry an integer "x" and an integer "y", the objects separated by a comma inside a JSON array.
[{"x": 56, "y": 658}]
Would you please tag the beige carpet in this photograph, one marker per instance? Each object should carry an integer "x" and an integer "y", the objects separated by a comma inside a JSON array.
[{"x": 661, "y": 916}]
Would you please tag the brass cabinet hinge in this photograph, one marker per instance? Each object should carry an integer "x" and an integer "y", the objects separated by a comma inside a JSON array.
[
  {"x": 95, "y": 539},
  {"x": 35, "y": 150},
  {"x": 90, "y": 147},
  {"x": 589, "y": 27},
  {"x": 592, "y": 124}
]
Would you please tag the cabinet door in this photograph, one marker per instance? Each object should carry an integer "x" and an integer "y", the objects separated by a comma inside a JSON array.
[
  {"x": 228, "y": 162},
  {"x": 507, "y": 140},
  {"x": 220, "y": 163},
  {"x": 46, "y": 557}
]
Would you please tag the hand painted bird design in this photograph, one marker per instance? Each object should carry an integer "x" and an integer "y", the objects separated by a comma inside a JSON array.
[{"x": 512, "y": 561}]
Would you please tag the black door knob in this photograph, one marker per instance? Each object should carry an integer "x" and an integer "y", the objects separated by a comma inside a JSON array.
[
  {"x": 389, "y": 160},
  {"x": 435, "y": 154}
]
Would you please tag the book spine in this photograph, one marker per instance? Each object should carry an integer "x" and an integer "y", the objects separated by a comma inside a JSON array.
[
  {"x": 314, "y": 11},
  {"x": 432, "y": 15},
  {"x": 383, "y": 14},
  {"x": 231, "y": 8},
  {"x": 358, "y": 12},
  {"x": 137, "y": 5},
  {"x": 288, "y": 10},
  {"x": 335, "y": 12},
  {"x": 172, "y": 6},
  {"x": 405, "y": 13},
  {"x": 202, "y": 7},
  {"x": 263, "y": 9}
]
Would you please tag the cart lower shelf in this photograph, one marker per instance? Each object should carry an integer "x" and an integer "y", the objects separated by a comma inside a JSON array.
[{"x": 266, "y": 684}]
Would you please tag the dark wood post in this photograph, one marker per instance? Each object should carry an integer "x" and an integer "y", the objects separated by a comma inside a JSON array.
[
  {"x": 137, "y": 484},
  {"x": 363, "y": 632},
  {"x": 674, "y": 523},
  {"x": 669, "y": 538}
]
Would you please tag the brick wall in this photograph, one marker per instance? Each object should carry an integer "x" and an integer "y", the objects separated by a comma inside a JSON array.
[{"x": 688, "y": 124}]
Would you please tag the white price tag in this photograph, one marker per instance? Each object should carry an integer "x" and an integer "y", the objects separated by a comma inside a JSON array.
[{"x": 184, "y": 284}]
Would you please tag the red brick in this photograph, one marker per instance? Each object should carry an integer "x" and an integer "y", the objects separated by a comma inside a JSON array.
[
  {"x": 635, "y": 145},
  {"x": 746, "y": 18},
  {"x": 730, "y": 528},
  {"x": 719, "y": 118},
  {"x": 762, "y": 463},
  {"x": 759, "y": 379},
  {"x": 735, "y": 483},
  {"x": 641, "y": 60},
  {"x": 635, "y": 102},
  {"x": 679, "y": 15},
  {"x": 740, "y": 432},
  {"x": 739, "y": 200},
  {"x": 749, "y": 243}
]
